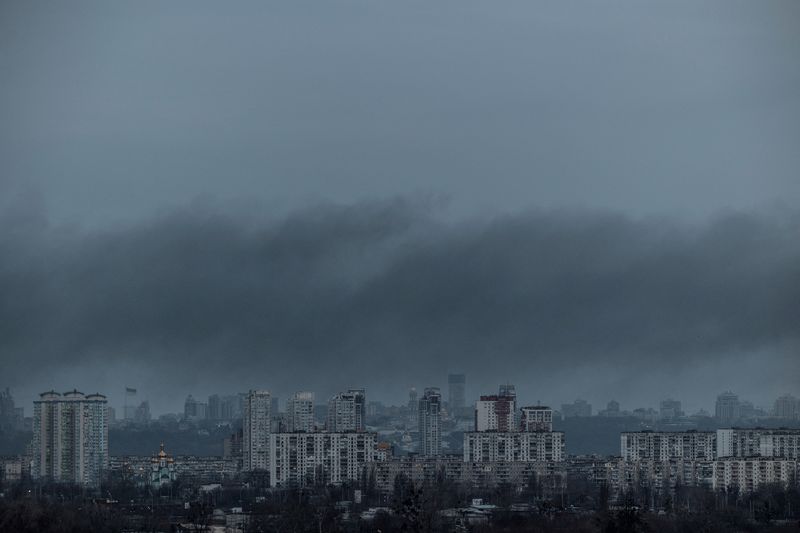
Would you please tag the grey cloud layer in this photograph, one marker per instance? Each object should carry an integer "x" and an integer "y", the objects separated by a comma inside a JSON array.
[
  {"x": 385, "y": 291},
  {"x": 685, "y": 107}
]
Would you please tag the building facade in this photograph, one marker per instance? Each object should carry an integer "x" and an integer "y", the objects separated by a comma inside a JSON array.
[
  {"x": 536, "y": 418},
  {"x": 256, "y": 429},
  {"x": 727, "y": 406},
  {"x": 621, "y": 476},
  {"x": 300, "y": 412},
  {"x": 748, "y": 475},
  {"x": 194, "y": 409},
  {"x": 70, "y": 438},
  {"x": 670, "y": 408},
  {"x": 300, "y": 459},
  {"x": 578, "y": 408},
  {"x": 347, "y": 411},
  {"x": 665, "y": 445},
  {"x": 214, "y": 410},
  {"x": 490, "y": 446},
  {"x": 429, "y": 418},
  {"x": 758, "y": 442},
  {"x": 787, "y": 406},
  {"x": 191, "y": 469},
  {"x": 551, "y": 477},
  {"x": 11, "y": 417},
  {"x": 413, "y": 407},
  {"x": 497, "y": 412}
]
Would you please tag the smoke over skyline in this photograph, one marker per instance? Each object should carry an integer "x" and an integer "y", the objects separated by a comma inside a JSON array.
[{"x": 389, "y": 293}]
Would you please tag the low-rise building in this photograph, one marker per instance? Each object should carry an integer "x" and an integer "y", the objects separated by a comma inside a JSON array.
[
  {"x": 11, "y": 468},
  {"x": 550, "y": 476},
  {"x": 744, "y": 475},
  {"x": 191, "y": 469},
  {"x": 665, "y": 445},
  {"x": 657, "y": 475}
]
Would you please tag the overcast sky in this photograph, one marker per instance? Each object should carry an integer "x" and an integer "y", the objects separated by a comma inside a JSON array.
[{"x": 590, "y": 199}]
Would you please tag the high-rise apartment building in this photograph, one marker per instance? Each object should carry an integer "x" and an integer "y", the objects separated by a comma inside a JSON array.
[
  {"x": 669, "y": 409},
  {"x": 412, "y": 399},
  {"x": 142, "y": 415},
  {"x": 299, "y": 459},
  {"x": 256, "y": 429},
  {"x": 456, "y": 385},
  {"x": 300, "y": 412},
  {"x": 787, "y": 406},
  {"x": 413, "y": 406},
  {"x": 129, "y": 409},
  {"x": 70, "y": 438},
  {"x": 347, "y": 411},
  {"x": 231, "y": 407},
  {"x": 8, "y": 413},
  {"x": 727, "y": 406},
  {"x": 536, "y": 418},
  {"x": 578, "y": 408},
  {"x": 612, "y": 410},
  {"x": 194, "y": 409},
  {"x": 214, "y": 411},
  {"x": 497, "y": 412},
  {"x": 232, "y": 447},
  {"x": 498, "y": 438},
  {"x": 428, "y": 414}
]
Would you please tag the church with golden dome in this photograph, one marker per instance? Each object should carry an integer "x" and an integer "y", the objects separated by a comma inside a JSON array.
[{"x": 162, "y": 468}]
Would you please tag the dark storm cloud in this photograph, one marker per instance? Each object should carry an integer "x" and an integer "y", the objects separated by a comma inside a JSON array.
[{"x": 383, "y": 292}]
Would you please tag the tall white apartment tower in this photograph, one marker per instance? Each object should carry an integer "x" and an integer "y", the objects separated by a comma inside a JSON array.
[
  {"x": 430, "y": 434},
  {"x": 256, "y": 426},
  {"x": 70, "y": 438},
  {"x": 347, "y": 411},
  {"x": 300, "y": 412},
  {"x": 497, "y": 412}
]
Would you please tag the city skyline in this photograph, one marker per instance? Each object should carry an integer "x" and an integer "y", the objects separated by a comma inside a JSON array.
[
  {"x": 527, "y": 398},
  {"x": 491, "y": 411},
  {"x": 71, "y": 443}
]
